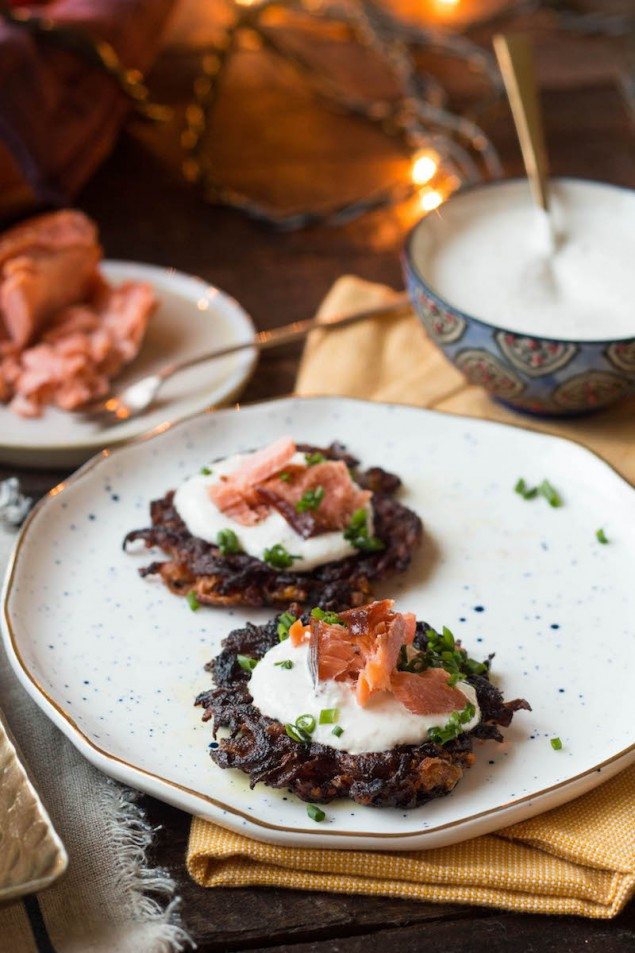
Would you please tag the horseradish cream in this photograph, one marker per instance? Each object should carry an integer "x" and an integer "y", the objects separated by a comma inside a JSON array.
[
  {"x": 203, "y": 519},
  {"x": 490, "y": 253},
  {"x": 286, "y": 693}
]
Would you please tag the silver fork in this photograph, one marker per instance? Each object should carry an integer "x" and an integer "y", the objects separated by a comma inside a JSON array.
[{"x": 138, "y": 396}]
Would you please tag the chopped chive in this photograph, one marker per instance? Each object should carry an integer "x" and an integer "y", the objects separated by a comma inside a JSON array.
[
  {"x": 358, "y": 535},
  {"x": 315, "y": 813},
  {"x": 246, "y": 662},
  {"x": 369, "y": 544},
  {"x": 448, "y": 638},
  {"x": 278, "y": 557},
  {"x": 601, "y": 536},
  {"x": 313, "y": 458},
  {"x": 556, "y": 744},
  {"x": 328, "y": 716},
  {"x": 337, "y": 731},
  {"x": 545, "y": 489},
  {"x": 453, "y": 727},
  {"x": 296, "y": 734},
  {"x": 227, "y": 542},
  {"x": 441, "y": 650},
  {"x": 285, "y": 476},
  {"x": 205, "y": 471},
  {"x": 285, "y": 663},
  {"x": 527, "y": 492},
  {"x": 310, "y": 500},
  {"x": 192, "y": 601},
  {"x": 358, "y": 519},
  {"x": 305, "y": 723},
  {"x": 285, "y": 621},
  {"x": 331, "y": 618},
  {"x": 550, "y": 493},
  {"x": 475, "y": 668}
]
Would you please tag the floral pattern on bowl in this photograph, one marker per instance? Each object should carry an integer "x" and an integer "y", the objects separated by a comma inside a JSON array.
[{"x": 534, "y": 356}]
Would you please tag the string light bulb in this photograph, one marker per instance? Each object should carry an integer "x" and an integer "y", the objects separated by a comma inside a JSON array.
[
  {"x": 430, "y": 199},
  {"x": 424, "y": 168}
]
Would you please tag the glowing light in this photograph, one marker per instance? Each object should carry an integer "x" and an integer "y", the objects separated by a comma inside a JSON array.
[
  {"x": 449, "y": 3},
  {"x": 424, "y": 168},
  {"x": 430, "y": 199}
]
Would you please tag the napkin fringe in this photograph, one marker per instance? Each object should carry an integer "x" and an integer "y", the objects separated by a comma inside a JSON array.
[{"x": 151, "y": 889}]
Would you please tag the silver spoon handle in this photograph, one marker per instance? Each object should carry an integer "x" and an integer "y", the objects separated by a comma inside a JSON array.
[{"x": 296, "y": 331}]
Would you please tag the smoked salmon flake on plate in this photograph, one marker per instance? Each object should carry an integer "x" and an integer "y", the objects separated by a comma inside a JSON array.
[
  {"x": 269, "y": 479},
  {"x": 370, "y": 638},
  {"x": 364, "y": 648},
  {"x": 237, "y": 494},
  {"x": 365, "y": 703},
  {"x": 426, "y": 692},
  {"x": 64, "y": 331}
]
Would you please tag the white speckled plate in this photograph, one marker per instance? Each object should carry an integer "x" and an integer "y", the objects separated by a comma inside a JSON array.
[
  {"x": 116, "y": 661},
  {"x": 192, "y": 317}
]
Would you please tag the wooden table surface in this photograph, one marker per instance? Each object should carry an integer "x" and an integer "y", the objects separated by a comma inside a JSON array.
[{"x": 146, "y": 212}]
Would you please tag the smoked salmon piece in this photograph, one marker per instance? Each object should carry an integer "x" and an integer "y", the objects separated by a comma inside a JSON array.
[
  {"x": 363, "y": 649},
  {"x": 64, "y": 332},
  {"x": 46, "y": 264},
  {"x": 382, "y": 659},
  {"x": 427, "y": 692},
  {"x": 340, "y": 497},
  {"x": 298, "y": 632},
  {"x": 82, "y": 348},
  {"x": 236, "y": 494},
  {"x": 248, "y": 494},
  {"x": 332, "y": 653}
]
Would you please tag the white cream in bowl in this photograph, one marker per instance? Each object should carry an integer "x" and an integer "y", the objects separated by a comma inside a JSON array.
[{"x": 487, "y": 252}]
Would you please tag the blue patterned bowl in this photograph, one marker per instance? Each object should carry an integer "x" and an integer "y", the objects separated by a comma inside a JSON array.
[{"x": 537, "y": 375}]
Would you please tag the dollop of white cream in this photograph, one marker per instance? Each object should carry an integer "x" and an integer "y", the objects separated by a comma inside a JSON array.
[
  {"x": 494, "y": 255},
  {"x": 284, "y": 694},
  {"x": 203, "y": 519}
]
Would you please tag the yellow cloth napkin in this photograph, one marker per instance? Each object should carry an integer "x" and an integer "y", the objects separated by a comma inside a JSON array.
[{"x": 576, "y": 859}]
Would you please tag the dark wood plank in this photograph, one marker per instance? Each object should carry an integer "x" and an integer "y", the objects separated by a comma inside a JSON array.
[{"x": 496, "y": 934}]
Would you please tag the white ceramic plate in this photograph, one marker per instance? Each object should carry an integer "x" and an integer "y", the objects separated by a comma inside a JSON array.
[
  {"x": 116, "y": 661},
  {"x": 192, "y": 317}
]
